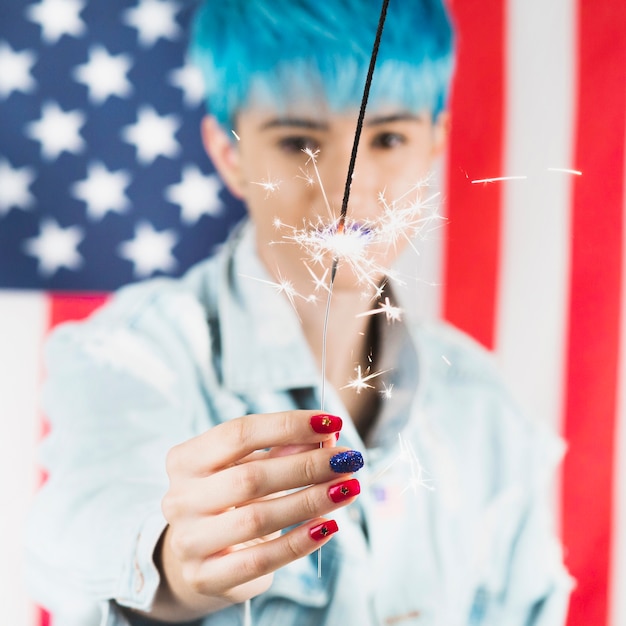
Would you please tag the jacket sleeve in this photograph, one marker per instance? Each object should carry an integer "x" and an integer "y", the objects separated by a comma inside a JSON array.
[
  {"x": 537, "y": 566},
  {"x": 537, "y": 586},
  {"x": 121, "y": 390}
]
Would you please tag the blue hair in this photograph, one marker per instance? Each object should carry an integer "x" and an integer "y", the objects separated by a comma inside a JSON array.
[{"x": 276, "y": 51}]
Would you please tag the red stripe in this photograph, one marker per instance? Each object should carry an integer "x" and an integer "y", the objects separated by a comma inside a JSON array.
[
  {"x": 73, "y": 306},
  {"x": 62, "y": 308},
  {"x": 596, "y": 280},
  {"x": 475, "y": 152}
]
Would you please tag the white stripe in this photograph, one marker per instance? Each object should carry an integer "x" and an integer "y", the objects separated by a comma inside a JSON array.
[
  {"x": 533, "y": 289},
  {"x": 23, "y": 319},
  {"x": 617, "y": 597},
  {"x": 423, "y": 295}
]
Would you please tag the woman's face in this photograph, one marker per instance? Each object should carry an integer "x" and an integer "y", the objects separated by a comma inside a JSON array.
[{"x": 293, "y": 196}]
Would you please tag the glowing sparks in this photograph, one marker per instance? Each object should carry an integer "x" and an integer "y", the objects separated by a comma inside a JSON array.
[
  {"x": 313, "y": 160},
  {"x": 270, "y": 186},
  {"x": 361, "y": 381},
  {"x": 565, "y": 170},
  {"x": 418, "y": 477},
  {"x": 445, "y": 359},
  {"x": 286, "y": 287},
  {"x": 392, "y": 313},
  {"x": 387, "y": 391},
  {"x": 237, "y": 137},
  {"x": 417, "y": 474},
  {"x": 358, "y": 244},
  {"x": 319, "y": 282},
  {"x": 307, "y": 178},
  {"x": 497, "y": 179}
]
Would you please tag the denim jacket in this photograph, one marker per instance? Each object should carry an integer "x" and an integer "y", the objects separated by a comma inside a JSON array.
[{"x": 453, "y": 524}]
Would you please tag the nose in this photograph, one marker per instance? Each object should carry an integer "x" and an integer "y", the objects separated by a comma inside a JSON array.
[{"x": 363, "y": 189}]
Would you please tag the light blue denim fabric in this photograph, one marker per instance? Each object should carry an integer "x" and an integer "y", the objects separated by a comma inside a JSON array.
[{"x": 168, "y": 359}]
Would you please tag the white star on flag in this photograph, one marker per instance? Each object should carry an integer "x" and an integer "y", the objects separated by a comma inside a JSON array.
[
  {"x": 104, "y": 74},
  {"x": 14, "y": 187},
  {"x": 153, "y": 19},
  {"x": 153, "y": 135},
  {"x": 57, "y": 131},
  {"x": 58, "y": 18},
  {"x": 15, "y": 70},
  {"x": 196, "y": 194},
  {"x": 102, "y": 191},
  {"x": 150, "y": 251},
  {"x": 55, "y": 247},
  {"x": 189, "y": 79}
]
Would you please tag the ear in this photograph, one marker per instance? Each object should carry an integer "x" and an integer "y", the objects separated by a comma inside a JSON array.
[
  {"x": 441, "y": 130},
  {"x": 223, "y": 154}
]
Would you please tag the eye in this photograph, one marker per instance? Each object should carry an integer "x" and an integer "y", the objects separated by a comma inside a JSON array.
[
  {"x": 387, "y": 140},
  {"x": 297, "y": 144}
]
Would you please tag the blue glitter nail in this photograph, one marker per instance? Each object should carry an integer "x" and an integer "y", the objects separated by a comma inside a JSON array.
[{"x": 346, "y": 462}]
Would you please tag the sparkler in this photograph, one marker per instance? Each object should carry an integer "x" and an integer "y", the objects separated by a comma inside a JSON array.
[{"x": 344, "y": 205}]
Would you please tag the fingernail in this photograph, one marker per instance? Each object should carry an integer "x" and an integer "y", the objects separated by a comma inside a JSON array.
[
  {"x": 345, "y": 490},
  {"x": 326, "y": 423},
  {"x": 321, "y": 531},
  {"x": 337, "y": 436},
  {"x": 346, "y": 462}
]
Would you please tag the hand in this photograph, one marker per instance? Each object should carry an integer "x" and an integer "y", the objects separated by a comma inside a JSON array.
[{"x": 232, "y": 492}]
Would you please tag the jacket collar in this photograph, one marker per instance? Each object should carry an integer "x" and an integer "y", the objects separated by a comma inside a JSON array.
[{"x": 263, "y": 346}]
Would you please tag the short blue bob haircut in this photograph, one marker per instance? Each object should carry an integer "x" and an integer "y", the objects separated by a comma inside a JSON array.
[{"x": 276, "y": 52}]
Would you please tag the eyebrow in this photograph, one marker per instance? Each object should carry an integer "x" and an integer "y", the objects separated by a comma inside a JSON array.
[
  {"x": 294, "y": 122},
  {"x": 395, "y": 117},
  {"x": 311, "y": 124}
]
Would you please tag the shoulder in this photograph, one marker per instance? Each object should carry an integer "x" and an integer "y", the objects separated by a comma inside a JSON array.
[
  {"x": 472, "y": 407},
  {"x": 159, "y": 321},
  {"x": 451, "y": 357}
]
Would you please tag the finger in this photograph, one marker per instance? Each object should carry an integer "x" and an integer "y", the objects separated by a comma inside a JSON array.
[
  {"x": 231, "y": 441},
  {"x": 244, "y": 483},
  {"x": 219, "y": 575},
  {"x": 213, "y": 534}
]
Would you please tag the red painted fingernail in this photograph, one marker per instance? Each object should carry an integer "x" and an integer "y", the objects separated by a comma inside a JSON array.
[
  {"x": 337, "y": 436},
  {"x": 326, "y": 423},
  {"x": 345, "y": 490},
  {"x": 321, "y": 531}
]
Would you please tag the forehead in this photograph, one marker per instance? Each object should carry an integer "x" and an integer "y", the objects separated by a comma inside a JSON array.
[{"x": 320, "y": 117}]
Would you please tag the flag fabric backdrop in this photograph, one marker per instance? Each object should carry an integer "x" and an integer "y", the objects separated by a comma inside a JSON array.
[{"x": 103, "y": 181}]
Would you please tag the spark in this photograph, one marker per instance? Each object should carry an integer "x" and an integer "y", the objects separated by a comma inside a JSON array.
[
  {"x": 284, "y": 286},
  {"x": 445, "y": 360},
  {"x": 417, "y": 474},
  {"x": 307, "y": 178},
  {"x": 348, "y": 241},
  {"x": 320, "y": 283},
  {"x": 269, "y": 185},
  {"x": 565, "y": 170},
  {"x": 498, "y": 179},
  {"x": 358, "y": 244},
  {"x": 392, "y": 313},
  {"x": 386, "y": 391},
  {"x": 313, "y": 160},
  {"x": 237, "y": 137},
  {"x": 360, "y": 381}
]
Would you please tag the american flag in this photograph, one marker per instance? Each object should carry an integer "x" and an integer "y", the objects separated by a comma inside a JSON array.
[{"x": 103, "y": 181}]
